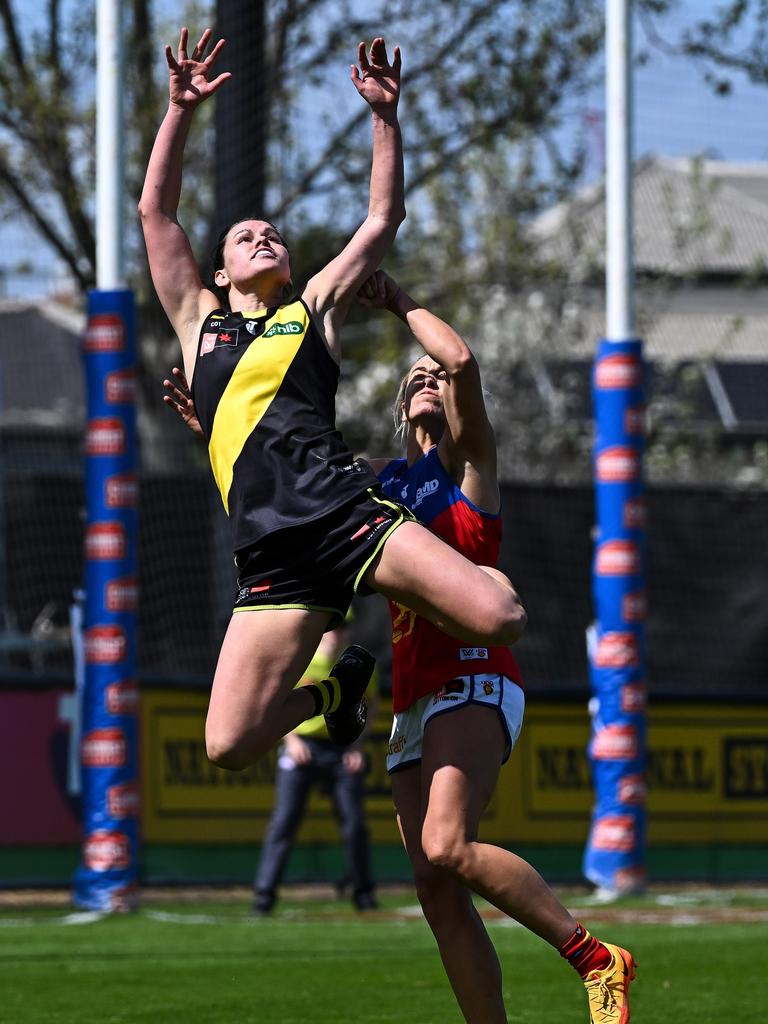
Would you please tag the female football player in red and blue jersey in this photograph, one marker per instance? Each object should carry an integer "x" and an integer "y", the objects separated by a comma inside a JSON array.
[{"x": 459, "y": 708}]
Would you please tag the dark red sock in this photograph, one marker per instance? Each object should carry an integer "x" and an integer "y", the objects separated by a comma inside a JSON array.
[{"x": 584, "y": 952}]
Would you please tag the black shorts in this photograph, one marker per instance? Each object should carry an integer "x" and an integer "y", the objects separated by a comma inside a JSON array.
[{"x": 318, "y": 566}]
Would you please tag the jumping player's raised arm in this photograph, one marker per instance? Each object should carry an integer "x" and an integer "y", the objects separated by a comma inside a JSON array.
[
  {"x": 330, "y": 293},
  {"x": 467, "y": 445},
  {"x": 175, "y": 274}
]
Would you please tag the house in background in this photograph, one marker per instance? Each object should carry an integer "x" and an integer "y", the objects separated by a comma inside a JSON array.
[
  {"x": 701, "y": 259},
  {"x": 701, "y": 304}
]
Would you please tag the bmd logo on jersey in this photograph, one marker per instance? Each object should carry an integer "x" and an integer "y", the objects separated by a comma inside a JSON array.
[
  {"x": 105, "y": 436},
  {"x": 104, "y": 748},
  {"x": 619, "y": 464},
  {"x": 292, "y": 327},
  {"x": 619, "y": 371},
  {"x": 427, "y": 488},
  {"x": 105, "y": 333}
]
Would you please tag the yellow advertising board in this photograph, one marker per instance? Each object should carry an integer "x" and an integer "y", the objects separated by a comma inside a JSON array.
[{"x": 707, "y": 777}]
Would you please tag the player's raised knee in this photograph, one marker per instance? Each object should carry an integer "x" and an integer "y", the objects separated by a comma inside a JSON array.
[
  {"x": 444, "y": 850},
  {"x": 233, "y": 751}
]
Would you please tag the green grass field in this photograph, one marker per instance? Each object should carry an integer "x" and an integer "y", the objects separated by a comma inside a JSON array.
[{"x": 701, "y": 959}]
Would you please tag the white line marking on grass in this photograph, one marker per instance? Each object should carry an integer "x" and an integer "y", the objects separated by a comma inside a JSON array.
[
  {"x": 172, "y": 918},
  {"x": 79, "y": 917}
]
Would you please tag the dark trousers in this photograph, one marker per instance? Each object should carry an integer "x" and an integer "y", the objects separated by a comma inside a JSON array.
[{"x": 292, "y": 788}]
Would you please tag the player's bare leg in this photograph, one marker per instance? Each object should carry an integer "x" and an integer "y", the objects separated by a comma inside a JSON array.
[
  {"x": 461, "y": 758},
  {"x": 253, "y": 700},
  {"x": 466, "y": 950},
  {"x": 419, "y": 571}
]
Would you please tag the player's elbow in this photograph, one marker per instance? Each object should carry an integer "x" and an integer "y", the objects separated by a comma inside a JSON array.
[{"x": 462, "y": 363}]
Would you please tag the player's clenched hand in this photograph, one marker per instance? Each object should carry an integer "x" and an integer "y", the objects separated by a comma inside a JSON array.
[{"x": 378, "y": 291}]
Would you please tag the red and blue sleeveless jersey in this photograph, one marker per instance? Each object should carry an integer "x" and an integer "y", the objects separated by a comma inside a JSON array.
[{"x": 423, "y": 657}]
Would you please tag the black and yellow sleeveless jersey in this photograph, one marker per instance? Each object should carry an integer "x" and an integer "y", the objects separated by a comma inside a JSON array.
[{"x": 264, "y": 387}]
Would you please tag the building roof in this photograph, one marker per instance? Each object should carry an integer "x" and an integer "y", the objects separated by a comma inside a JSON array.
[
  {"x": 41, "y": 374},
  {"x": 692, "y": 217}
]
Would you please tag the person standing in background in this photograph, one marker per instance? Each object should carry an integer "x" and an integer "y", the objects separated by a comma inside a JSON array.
[{"x": 308, "y": 760}]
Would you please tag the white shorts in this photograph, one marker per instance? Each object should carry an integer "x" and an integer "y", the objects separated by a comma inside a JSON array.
[{"x": 491, "y": 689}]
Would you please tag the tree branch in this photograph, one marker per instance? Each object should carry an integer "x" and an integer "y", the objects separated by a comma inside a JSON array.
[
  {"x": 8, "y": 17},
  {"x": 35, "y": 214}
]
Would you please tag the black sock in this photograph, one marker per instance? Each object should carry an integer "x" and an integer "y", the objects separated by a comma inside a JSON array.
[{"x": 326, "y": 694}]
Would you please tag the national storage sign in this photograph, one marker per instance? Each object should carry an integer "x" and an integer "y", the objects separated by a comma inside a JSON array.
[{"x": 707, "y": 779}]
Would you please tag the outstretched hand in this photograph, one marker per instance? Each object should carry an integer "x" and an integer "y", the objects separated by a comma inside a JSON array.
[
  {"x": 377, "y": 291},
  {"x": 190, "y": 76},
  {"x": 377, "y": 81},
  {"x": 179, "y": 398}
]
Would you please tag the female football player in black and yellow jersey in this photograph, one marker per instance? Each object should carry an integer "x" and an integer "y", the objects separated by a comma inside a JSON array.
[{"x": 310, "y": 524}]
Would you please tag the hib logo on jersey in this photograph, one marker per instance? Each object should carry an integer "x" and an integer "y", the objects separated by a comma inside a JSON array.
[
  {"x": 121, "y": 490},
  {"x": 617, "y": 650},
  {"x": 105, "y": 436},
  {"x": 105, "y": 333},
  {"x": 105, "y": 645},
  {"x": 104, "y": 748},
  {"x": 619, "y": 464},
  {"x": 292, "y": 327},
  {"x": 617, "y": 558},
  {"x": 123, "y": 800},
  {"x": 619, "y": 371},
  {"x": 120, "y": 387},
  {"x": 121, "y": 698},
  {"x": 615, "y": 833},
  {"x": 615, "y": 743},
  {"x": 121, "y": 595},
  {"x": 105, "y": 542},
  {"x": 427, "y": 488},
  {"x": 107, "y": 851}
]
